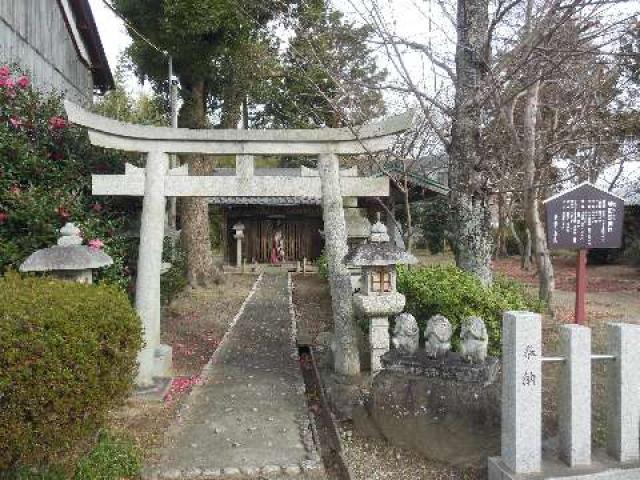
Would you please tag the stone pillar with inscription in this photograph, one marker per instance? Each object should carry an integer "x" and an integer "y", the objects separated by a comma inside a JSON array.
[{"x": 521, "y": 392}]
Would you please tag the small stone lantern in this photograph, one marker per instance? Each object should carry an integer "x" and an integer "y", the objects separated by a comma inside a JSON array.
[
  {"x": 69, "y": 259},
  {"x": 239, "y": 236},
  {"x": 378, "y": 297}
]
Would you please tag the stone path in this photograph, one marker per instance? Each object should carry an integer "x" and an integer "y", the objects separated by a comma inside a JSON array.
[{"x": 249, "y": 418}]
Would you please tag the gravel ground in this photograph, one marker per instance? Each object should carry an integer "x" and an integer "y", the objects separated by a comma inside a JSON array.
[{"x": 369, "y": 459}]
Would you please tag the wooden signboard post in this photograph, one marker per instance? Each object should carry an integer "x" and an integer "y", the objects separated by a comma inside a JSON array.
[{"x": 581, "y": 218}]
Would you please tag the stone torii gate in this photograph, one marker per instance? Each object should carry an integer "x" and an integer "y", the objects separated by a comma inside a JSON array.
[{"x": 157, "y": 181}]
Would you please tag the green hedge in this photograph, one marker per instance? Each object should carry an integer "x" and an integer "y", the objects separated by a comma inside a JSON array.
[
  {"x": 68, "y": 355},
  {"x": 457, "y": 294}
]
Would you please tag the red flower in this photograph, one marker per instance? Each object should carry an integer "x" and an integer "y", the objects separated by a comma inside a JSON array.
[
  {"x": 64, "y": 214},
  {"x": 56, "y": 156},
  {"x": 23, "y": 81},
  {"x": 57, "y": 123},
  {"x": 4, "y": 216},
  {"x": 15, "y": 122},
  {"x": 95, "y": 244},
  {"x": 5, "y": 71}
]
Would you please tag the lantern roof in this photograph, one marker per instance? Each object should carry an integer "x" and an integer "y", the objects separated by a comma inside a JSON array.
[
  {"x": 68, "y": 254},
  {"x": 379, "y": 251}
]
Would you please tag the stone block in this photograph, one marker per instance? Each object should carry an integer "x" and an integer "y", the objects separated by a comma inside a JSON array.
[
  {"x": 521, "y": 391},
  {"x": 574, "y": 395},
  {"x": 623, "y": 392},
  {"x": 454, "y": 422}
]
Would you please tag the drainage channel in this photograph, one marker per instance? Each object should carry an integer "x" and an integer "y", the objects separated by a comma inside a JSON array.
[{"x": 326, "y": 432}]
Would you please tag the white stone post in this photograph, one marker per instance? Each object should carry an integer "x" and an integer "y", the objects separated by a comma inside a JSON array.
[
  {"x": 623, "y": 392},
  {"x": 379, "y": 341},
  {"x": 521, "y": 392},
  {"x": 238, "y": 251},
  {"x": 346, "y": 355},
  {"x": 150, "y": 264},
  {"x": 574, "y": 395}
]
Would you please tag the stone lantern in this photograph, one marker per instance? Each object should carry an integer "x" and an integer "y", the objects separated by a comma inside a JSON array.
[
  {"x": 239, "y": 236},
  {"x": 378, "y": 297},
  {"x": 69, "y": 259}
]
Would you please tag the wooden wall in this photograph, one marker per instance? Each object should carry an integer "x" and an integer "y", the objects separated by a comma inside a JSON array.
[
  {"x": 33, "y": 33},
  {"x": 300, "y": 231}
]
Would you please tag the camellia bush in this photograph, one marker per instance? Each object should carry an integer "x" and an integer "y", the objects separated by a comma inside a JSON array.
[
  {"x": 45, "y": 180},
  {"x": 456, "y": 294},
  {"x": 67, "y": 356}
]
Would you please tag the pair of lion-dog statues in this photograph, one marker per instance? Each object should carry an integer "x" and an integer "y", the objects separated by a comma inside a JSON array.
[{"x": 473, "y": 337}]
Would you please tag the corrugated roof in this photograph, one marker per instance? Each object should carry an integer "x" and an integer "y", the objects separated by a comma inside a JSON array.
[
  {"x": 268, "y": 201},
  {"x": 260, "y": 172}
]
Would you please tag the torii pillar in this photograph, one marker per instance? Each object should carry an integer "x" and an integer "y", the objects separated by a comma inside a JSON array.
[{"x": 156, "y": 182}]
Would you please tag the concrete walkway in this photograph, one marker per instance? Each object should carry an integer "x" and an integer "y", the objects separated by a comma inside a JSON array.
[{"x": 249, "y": 418}]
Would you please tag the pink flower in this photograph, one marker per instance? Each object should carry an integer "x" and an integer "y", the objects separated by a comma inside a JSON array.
[
  {"x": 5, "y": 71},
  {"x": 4, "y": 216},
  {"x": 57, "y": 123},
  {"x": 95, "y": 244},
  {"x": 23, "y": 81},
  {"x": 15, "y": 122},
  {"x": 9, "y": 82}
]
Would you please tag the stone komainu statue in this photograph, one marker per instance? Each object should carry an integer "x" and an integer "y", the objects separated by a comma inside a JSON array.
[
  {"x": 406, "y": 334},
  {"x": 474, "y": 340},
  {"x": 437, "y": 336}
]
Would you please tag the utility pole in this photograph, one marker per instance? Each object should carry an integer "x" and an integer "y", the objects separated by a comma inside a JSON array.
[{"x": 173, "y": 161}]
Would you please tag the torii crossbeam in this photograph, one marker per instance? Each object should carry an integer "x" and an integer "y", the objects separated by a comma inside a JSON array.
[{"x": 156, "y": 182}]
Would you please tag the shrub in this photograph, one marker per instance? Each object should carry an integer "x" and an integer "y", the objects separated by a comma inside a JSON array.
[
  {"x": 45, "y": 181},
  {"x": 68, "y": 355},
  {"x": 113, "y": 458},
  {"x": 323, "y": 265},
  {"x": 457, "y": 294}
]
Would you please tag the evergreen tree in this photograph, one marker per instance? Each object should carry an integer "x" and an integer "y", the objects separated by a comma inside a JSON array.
[
  {"x": 329, "y": 74},
  {"x": 218, "y": 48}
]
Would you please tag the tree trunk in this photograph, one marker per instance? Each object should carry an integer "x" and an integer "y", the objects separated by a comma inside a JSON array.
[
  {"x": 532, "y": 212},
  {"x": 501, "y": 238},
  {"x": 407, "y": 208},
  {"x": 346, "y": 354},
  {"x": 525, "y": 262},
  {"x": 516, "y": 237},
  {"x": 469, "y": 197},
  {"x": 195, "y": 236}
]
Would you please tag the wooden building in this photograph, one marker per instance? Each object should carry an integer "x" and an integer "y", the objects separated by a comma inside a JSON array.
[
  {"x": 57, "y": 42},
  {"x": 298, "y": 219}
]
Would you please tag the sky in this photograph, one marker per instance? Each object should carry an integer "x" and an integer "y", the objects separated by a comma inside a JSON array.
[{"x": 410, "y": 17}]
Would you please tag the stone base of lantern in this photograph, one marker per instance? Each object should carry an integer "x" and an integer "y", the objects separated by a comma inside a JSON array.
[{"x": 379, "y": 340}]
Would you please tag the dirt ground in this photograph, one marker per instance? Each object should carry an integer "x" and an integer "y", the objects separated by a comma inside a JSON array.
[
  {"x": 367, "y": 459},
  {"x": 193, "y": 324},
  {"x": 612, "y": 296}
]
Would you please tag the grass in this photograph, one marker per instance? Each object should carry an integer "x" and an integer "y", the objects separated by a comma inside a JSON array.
[{"x": 112, "y": 458}]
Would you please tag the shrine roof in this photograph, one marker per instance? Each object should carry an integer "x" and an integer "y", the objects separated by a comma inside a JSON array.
[{"x": 268, "y": 201}]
